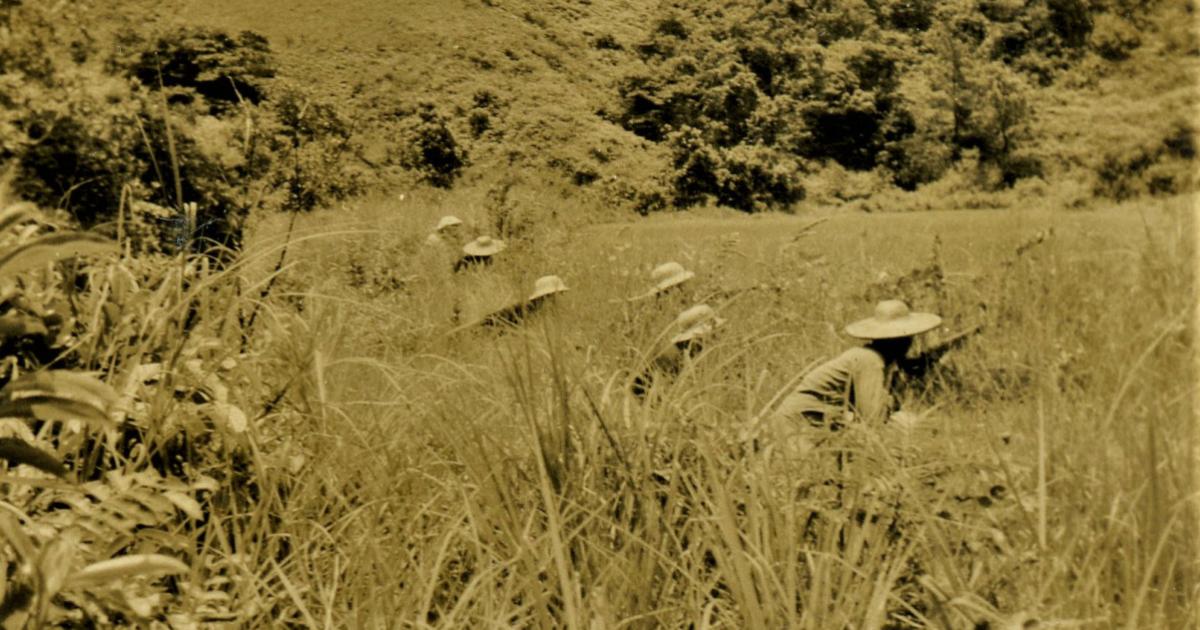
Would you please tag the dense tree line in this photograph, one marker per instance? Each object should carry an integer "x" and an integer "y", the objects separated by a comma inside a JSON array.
[{"x": 751, "y": 94}]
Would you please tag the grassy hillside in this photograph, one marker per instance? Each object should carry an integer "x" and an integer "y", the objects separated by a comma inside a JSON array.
[
  {"x": 539, "y": 61},
  {"x": 523, "y": 85}
]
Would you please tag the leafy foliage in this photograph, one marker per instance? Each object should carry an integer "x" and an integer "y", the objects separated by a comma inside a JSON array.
[
  {"x": 311, "y": 142},
  {"x": 431, "y": 149},
  {"x": 748, "y": 177},
  {"x": 173, "y": 140},
  {"x": 1159, "y": 166},
  {"x": 145, "y": 452},
  {"x": 904, "y": 88},
  {"x": 223, "y": 70},
  {"x": 63, "y": 548}
]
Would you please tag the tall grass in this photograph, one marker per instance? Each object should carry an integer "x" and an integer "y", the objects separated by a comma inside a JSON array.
[
  {"x": 511, "y": 481},
  {"x": 346, "y": 463}
]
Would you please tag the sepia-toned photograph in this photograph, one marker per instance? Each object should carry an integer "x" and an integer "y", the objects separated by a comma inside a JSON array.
[{"x": 599, "y": 314}]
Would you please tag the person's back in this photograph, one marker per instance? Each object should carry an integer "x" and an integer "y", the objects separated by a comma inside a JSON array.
[
  {"x": 853, "y": 381},
  {"x": 696, "y": 323},
  {"x": 511, "y": 315},
  {"x": 479, "y": 253},
  {"x": 667, "y": 364},
  {"x": 544, "y": 290},
  {"x": 854, "y": 384},
  {"x": 467, "y": 261}
]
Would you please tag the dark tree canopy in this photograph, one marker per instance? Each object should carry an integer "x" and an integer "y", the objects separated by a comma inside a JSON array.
[{"x": 903, "y": 87}]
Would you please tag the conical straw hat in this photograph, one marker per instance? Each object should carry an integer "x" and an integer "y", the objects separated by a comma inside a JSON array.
[
  {"x": 484, "y": 246},
  {"x": 665, "y": 276},
  {"x": 696, "y": 321},
  {"x": 893, "y": 319},
  {"x": 547, "y": 285}
]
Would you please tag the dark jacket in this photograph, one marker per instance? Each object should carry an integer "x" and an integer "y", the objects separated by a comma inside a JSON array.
[
  {"x": 468, "y": 261},
  {"x": 667, "y": 364}
]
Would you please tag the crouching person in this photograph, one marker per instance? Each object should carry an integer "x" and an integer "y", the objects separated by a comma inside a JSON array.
[
  {"x": 852, "y": 387},
  {"x": 695, "y": 325},
  {"x": 515, "y": 314}
]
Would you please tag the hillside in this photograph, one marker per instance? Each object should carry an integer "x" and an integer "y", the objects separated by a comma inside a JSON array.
[
  {"x": 538, "y": 61},
  {"x": 608, "y": 106}
]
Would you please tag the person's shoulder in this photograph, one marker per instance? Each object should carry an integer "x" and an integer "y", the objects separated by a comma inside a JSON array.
[{"x": 862, "y": 355}]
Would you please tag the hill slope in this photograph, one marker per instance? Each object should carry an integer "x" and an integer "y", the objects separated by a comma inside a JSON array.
[
  {"x": 537, "y": 65},
  {"x": 522, "y": 82}
]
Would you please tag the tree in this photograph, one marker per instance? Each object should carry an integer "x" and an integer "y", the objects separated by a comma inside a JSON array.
[
  {"x": 222, "y": 69},
  {"x": 311, "y": 141}
]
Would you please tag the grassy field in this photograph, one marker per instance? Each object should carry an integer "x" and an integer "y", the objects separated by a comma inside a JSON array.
[
  {"x": 491, "y": 479},
  {"x": 310, "y": 432}
]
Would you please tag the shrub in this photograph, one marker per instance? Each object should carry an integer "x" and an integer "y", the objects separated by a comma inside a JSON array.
[
  {"x": 1114, "y": 38},
  {"x": 90, "y": 547},
  {"x": 222, "y": 69},
  {"x": 88, "y": 139},
  {"x": 1071, "y": 21},
  {"x": 747, "y": 177},
  {"x": 607, "y": 42},
  {"x": 431, "y": 149},
  {"x": 834, "y": 184},
  {"x": 1162, "y": 166},
  {"x": 312, "y": 142},
  {"x": 906, "y": 87},
  {"x": 480, "y": 122}
]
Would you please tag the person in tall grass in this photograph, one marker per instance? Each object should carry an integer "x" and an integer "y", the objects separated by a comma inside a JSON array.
[
  {"x": 544, "y": 290},
  {"x": 694, "y": 324},
  {"x": 515, "y": 314},
  {"x": 479, "y": 253},
  {"x": 666, "y": 278},
  {"x": 856, "y": 385},
  {"x": 446, "y": 233}
]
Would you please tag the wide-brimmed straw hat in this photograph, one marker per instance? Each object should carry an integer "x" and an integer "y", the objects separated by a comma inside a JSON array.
[
  {"x": 448, "y": 221},
  {"x": 484, "y": 246},
  {"x": 547, "y": 285},
  {"x": 665, "y": 276},
  {"x": 893, "y": 319},
  {"x": 696, "y": 321}
]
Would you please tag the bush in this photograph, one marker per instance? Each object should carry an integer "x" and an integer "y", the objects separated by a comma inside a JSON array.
[
  {"x": 834, "y": 184},
  {"x": 895, "y": 87},
  {"x": 748, "y": 177},
  {"x": 1114, "y": 38},
  {"x": 1162, "y": 166},
  {"x": 431, "y": 149},
  {"x": 1071, "y": 21},
  {"x": 88, "y": 139},
  {"x": 606, "y": 41},
  {"x": 134, "y": 474},
  {"x": 312, "y": 142},
  {"x": 222, "y": 69},
  {"x": 184, "y": 119}
]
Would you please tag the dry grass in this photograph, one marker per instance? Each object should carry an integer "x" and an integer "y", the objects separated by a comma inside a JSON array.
[{"x": 512, "y": 481}]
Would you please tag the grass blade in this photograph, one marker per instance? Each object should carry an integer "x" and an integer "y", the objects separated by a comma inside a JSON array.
[
  {"x": 114, "y": 569},
  {"x": 17, "y": 451}
]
